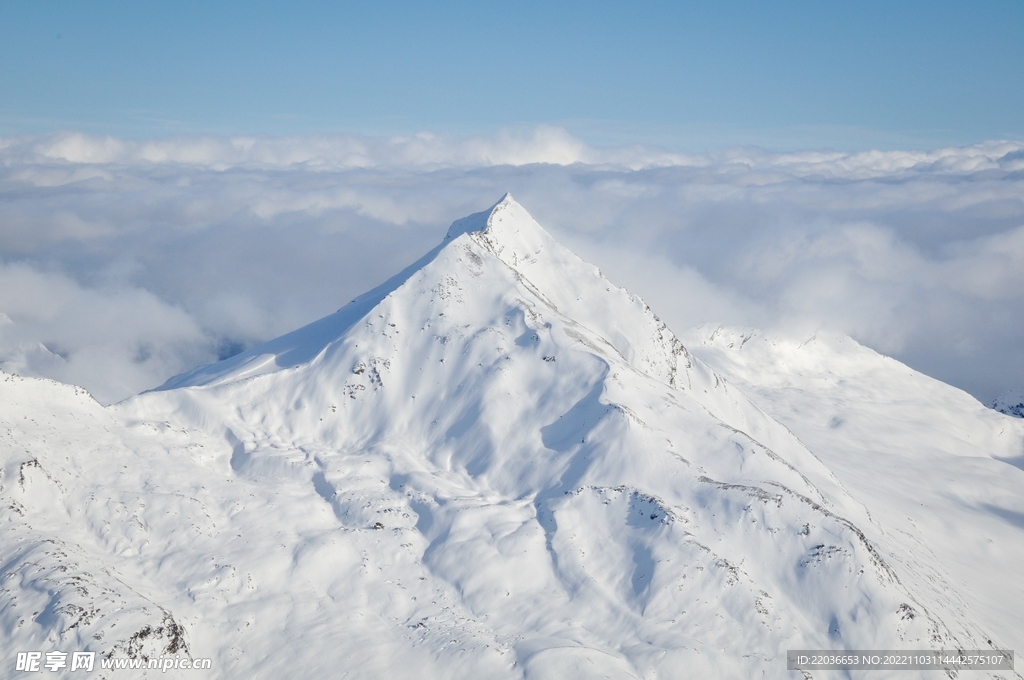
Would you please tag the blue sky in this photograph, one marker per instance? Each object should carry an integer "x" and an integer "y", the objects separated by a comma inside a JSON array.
[
  {"x": 675, "y": 74},
  {"x": 181, "y": 177}
]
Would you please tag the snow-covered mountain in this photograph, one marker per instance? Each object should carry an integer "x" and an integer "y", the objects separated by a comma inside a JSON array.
[
  {"x": 498, "y": 464},
  {"x": 1011, "y": 403},
  {"x": 941, "y": 474}
]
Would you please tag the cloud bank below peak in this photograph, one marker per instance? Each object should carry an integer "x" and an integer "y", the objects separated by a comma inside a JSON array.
[
  {"x": 541, "y": 144},
  {"x": 134, "y": 259}
]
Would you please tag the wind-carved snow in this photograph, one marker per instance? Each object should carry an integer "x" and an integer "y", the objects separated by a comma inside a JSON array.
[{"x": 496, "y": 464}]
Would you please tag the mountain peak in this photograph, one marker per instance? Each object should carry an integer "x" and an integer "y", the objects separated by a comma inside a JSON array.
[
  {"x": 509, "y": 233},
  {"x": 1011, "y": 403},
  {"x": 482, "y": 222},
  {"x": 507, "y": 230}
]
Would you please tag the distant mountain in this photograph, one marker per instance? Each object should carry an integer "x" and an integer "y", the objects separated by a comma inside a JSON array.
[
  {"x": 1011, "y": 403},
  {"x": 499, "y": 464}
]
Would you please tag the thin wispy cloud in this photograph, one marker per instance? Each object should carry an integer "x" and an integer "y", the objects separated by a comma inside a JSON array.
[{"x": 124, "y": 261}]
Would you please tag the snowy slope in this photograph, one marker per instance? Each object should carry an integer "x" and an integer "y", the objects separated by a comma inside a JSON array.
[
  {"x": 497, "y": 464},
  {"x": 943, "y": 474}
]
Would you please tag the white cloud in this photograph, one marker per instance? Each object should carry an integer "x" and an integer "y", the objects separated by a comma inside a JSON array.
[
  {"x": 543, "y": 144},
  {"x": 137, "y": 258},
  {"x": 113, "y": 341}
]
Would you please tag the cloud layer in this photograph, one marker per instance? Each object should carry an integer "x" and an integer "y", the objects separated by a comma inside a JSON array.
[{"x": 125, "y": 261}]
